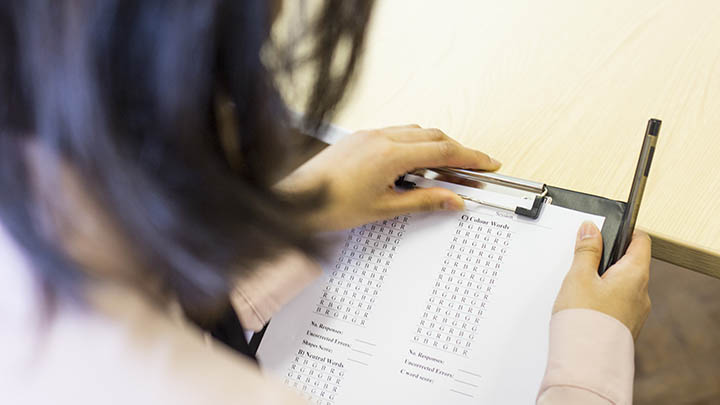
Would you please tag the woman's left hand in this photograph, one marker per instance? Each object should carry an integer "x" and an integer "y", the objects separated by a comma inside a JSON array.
[{"x": 359, "y": 173}]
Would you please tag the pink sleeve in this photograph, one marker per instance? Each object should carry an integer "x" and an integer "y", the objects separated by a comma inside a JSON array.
[{"x": 590, "y": 360}]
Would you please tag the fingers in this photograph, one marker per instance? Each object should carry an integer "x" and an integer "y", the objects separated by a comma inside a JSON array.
[
  {"x": 398, "y": 128},
  {"x": 422, "y": 199},
  {"x": 445, "y": 153},
  {"x": 588, "y": 250},
  {"x": 413, "y": 133},
  {"x": 636, "y": 260},
  {"x": 415, "y": 147}
]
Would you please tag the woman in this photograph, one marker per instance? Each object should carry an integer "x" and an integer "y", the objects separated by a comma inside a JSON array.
[{"x": 142, "y": 161}]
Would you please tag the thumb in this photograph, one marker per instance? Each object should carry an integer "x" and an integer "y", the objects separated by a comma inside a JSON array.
[
  {"x": 423, "y": 199},
  {"x": 588, "y": 249}
]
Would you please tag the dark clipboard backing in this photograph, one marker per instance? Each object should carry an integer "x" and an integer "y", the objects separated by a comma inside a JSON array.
[{"x": 612, "y": 210}]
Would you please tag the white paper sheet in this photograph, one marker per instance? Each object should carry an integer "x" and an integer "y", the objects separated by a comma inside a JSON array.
[{"x": 428, "y": 308}]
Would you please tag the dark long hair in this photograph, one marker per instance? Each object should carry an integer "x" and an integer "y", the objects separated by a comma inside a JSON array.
[{"x": 127, "y": 92}]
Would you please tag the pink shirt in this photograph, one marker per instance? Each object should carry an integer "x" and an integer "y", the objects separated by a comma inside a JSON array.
[
  {"x": 591, "y": 360},
  {"x": 127, "y": 351}
]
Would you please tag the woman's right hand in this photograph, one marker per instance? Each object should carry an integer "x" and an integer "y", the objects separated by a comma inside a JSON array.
[
  {"x": 621, "y": 292},
  {"x": 360, "y": 170}
]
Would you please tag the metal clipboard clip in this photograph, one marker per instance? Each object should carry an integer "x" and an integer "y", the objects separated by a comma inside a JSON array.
[{"x": 532, "y": 193}]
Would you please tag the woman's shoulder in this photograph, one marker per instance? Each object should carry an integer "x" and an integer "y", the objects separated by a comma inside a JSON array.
[{"x": 120, "y": 349}]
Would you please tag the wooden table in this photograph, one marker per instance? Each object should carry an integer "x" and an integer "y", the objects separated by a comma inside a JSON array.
[{"x": 560, "y": 92}]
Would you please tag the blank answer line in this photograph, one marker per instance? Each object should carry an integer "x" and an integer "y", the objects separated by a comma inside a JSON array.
[
  {"x": 367, "y": 343},
  {"x": 360, "y": 351},
  {"x": 357, "y": 361},
  {"x": 462, "y": 393},
  {"x": 467, "y": 372},
  {"x": 465, "y": 382}
]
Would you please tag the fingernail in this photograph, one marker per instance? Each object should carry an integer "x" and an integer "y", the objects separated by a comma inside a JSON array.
[
  {"x": 454, "y": 205},
  {"x": 495, "y": 162},
  {"x": 587, "y": 230}
]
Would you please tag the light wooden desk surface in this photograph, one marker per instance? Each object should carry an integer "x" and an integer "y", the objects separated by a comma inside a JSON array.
[{"x": 560, "y": 92}]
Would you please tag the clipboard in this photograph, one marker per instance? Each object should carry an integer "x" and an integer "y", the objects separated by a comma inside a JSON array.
[
  {"x": 524, "y": 198},
  {"x": 529, "y": 197}
]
